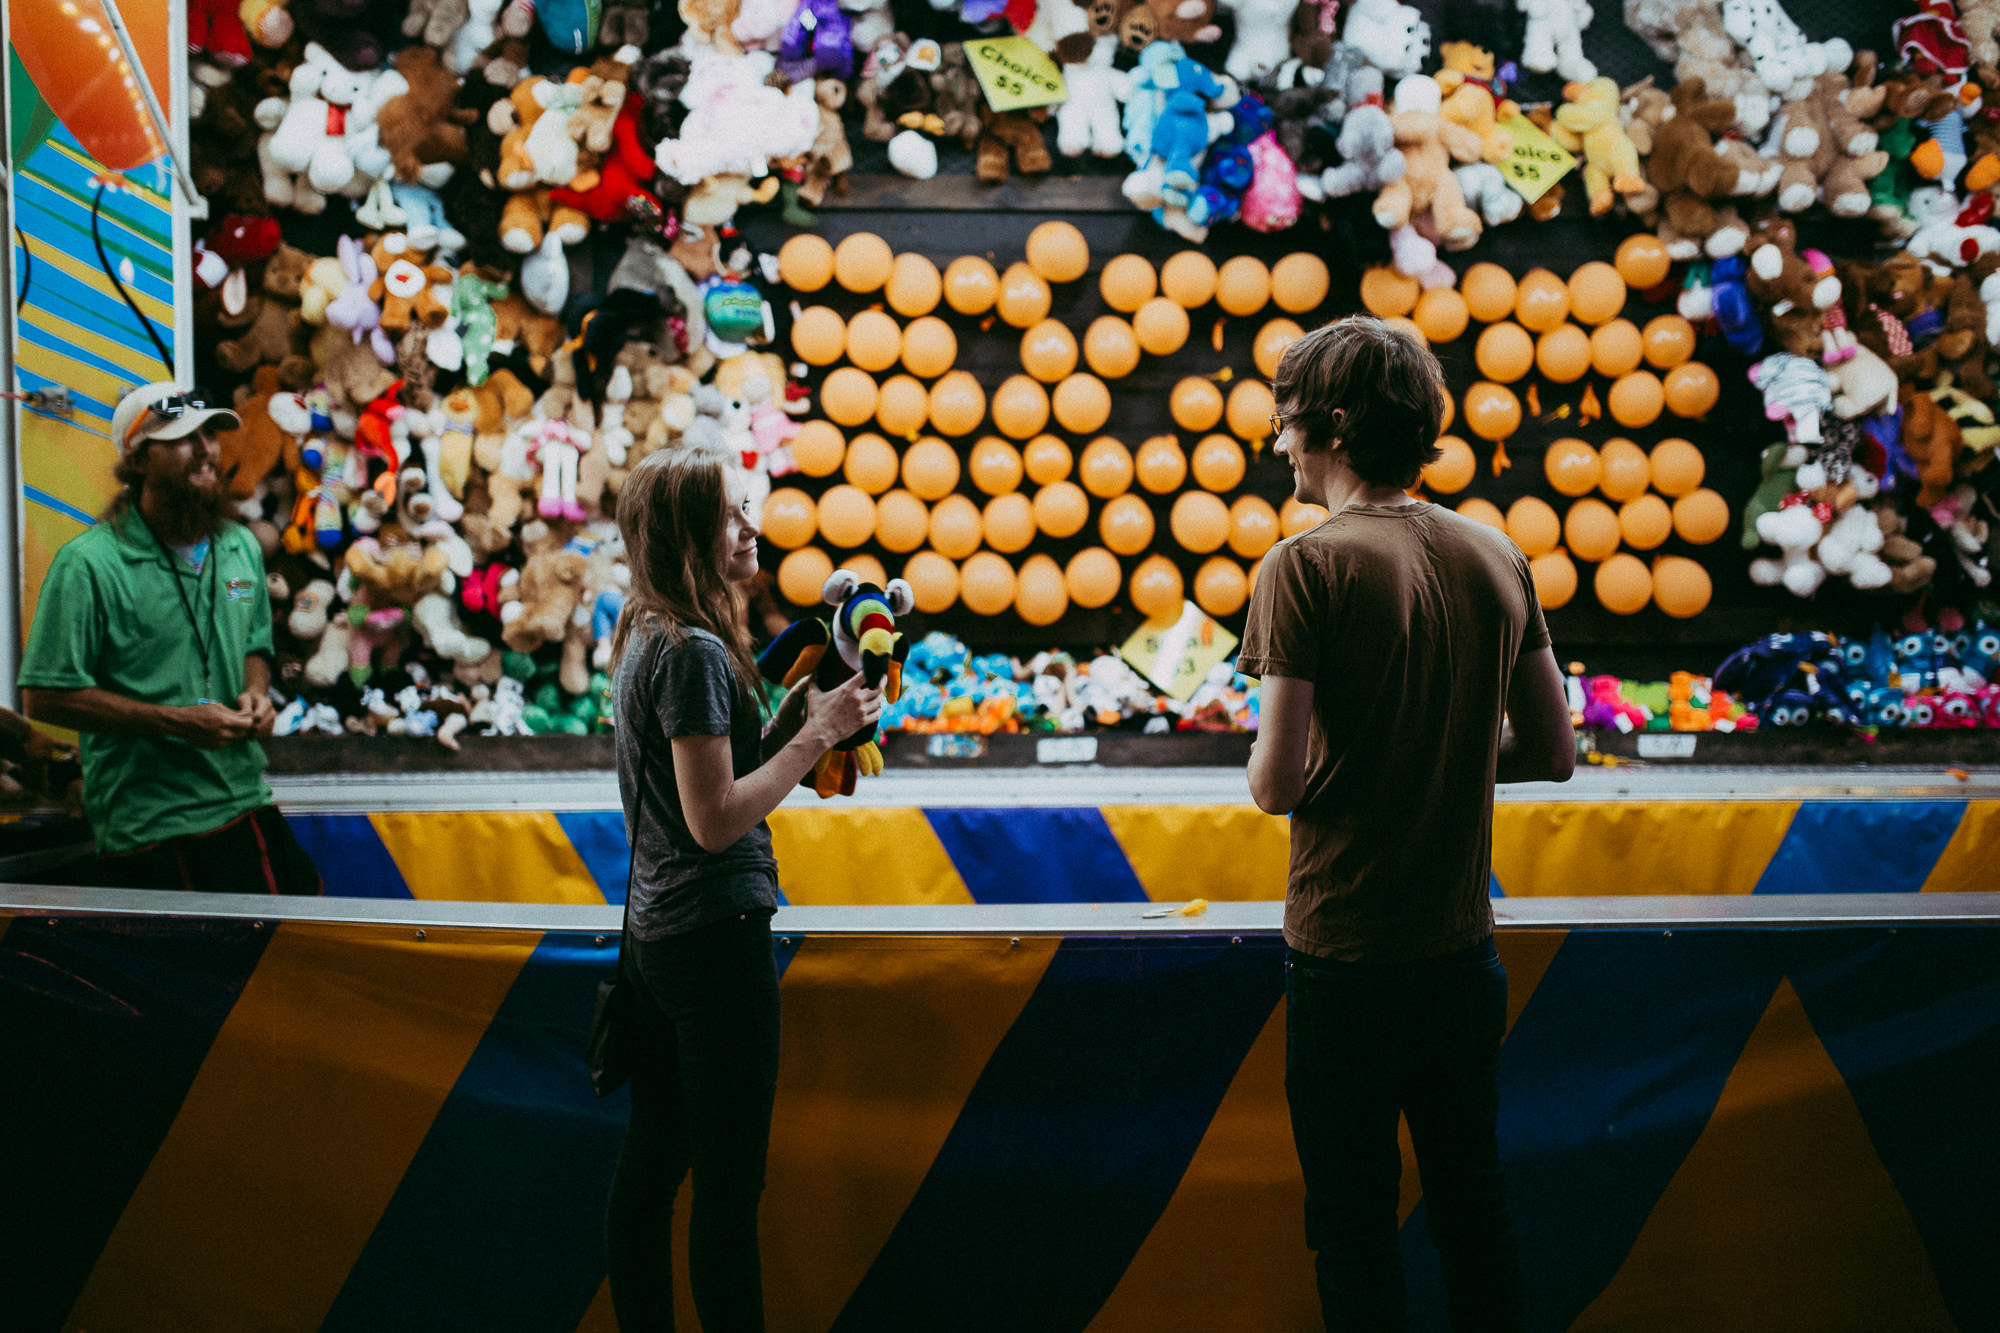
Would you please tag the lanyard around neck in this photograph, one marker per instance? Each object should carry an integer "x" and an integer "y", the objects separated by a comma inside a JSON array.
[{"x": 187, "y": 607}]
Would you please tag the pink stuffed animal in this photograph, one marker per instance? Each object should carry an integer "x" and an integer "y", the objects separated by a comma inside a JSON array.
[{"x": 1272, "y": 201}]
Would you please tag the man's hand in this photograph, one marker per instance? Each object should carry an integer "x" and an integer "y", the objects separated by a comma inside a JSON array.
[
  {"x": 263, "y": 716},
  {"x": 212, "y": 726}
]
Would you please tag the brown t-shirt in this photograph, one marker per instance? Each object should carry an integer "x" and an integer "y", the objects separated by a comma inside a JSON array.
[{"x": 1408, "y": 621}]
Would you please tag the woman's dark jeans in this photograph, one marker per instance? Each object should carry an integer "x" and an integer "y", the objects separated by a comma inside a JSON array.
[
  {"x": 1364, "y": 1042},
  {"x": 703, "y": 1082}
]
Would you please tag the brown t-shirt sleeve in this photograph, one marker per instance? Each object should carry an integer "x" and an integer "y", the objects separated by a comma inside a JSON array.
[
  {"x": 1535, "y": 635},
  {"x": 1288, "y": 616}
]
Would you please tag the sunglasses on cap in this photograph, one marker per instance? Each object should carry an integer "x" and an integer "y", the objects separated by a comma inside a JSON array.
[{"x": 175, "y": 405}]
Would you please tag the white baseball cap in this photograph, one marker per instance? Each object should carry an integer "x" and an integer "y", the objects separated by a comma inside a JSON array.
[{"x": 164, "y": 411}]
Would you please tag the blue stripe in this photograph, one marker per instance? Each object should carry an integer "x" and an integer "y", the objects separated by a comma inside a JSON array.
[
  {"x": 65, "y": 224},
  {"x": 54, "y": 342},
  {"x": 1911, "y": 1018},
  {"x": 1074, "y": 1139},
  {"x": 599, "y": 839},
  {"x": 1037, "y": 856},
  {"x": 97, "y": 312},
  {"x": 1493, "y": 889},
  {"x": 42, "y": 497},
  {"x": 1607, "y": 1079},
  {"x": 350, "y": 856},
  {"x": 142, "y": 215},
  {"x": 499, "y": 1220},
  {"x": 107, "y": 1022},
  {"x": 1861, "y": 846},
  {"x": 80, "y": 403}
]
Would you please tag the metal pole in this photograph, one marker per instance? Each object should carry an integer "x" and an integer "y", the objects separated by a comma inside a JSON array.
[
  {"x": 11, "y": 518},
  {"x": 197, "y": 206}
]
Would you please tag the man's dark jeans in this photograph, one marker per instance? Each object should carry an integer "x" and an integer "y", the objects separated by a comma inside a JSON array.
[{"x": 1363, "y": 1042}]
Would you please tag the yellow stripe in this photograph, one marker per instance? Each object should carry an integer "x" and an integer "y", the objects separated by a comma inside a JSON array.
[
  {"x": 92, "y": 276},
  {"x": 599, "y": 1317},
  {"x": 316, "y": 1094},
  {"x": 1968, "y": 862},
  {"x": 71, "y": 462},
  {"x": 1225, "y": 852},
  {"x": 883, "y": 1041},
  {"x": 140, "y": 364},
  {"x": 830, "y": 857},
  {"x": 146, "y": 193},
  {"x": 1581, "y": 849},
  {"x": 487, "y": 856},
  {"x": 88, "y": 380},
  {"x": 1782, "y": 1216}
]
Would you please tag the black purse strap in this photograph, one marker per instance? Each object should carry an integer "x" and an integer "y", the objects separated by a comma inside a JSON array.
[{"x": 638, "y": 817}]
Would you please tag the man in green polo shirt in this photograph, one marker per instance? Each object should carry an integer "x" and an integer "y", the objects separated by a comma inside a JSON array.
[{"x": 152, "y": 638}]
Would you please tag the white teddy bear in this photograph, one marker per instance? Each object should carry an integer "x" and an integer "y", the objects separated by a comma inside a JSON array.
[
  {"x": 1795, "y": 532},
  {"x": 737, "y": 122},
  {"x": 1554, "y": 39},
  {"x": 1263, "y": 38},
  {"x": 1940, "y": 241},
  {"x": 1393, "y": 36},
  {"x": 1089, "y": 121}
]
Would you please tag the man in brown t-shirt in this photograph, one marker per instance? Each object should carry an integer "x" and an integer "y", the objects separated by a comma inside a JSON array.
[{"x": 1395, "y": 641}]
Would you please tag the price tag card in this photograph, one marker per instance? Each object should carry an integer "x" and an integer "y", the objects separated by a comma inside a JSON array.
[
  {"x": 1537, "y": 161},
  {"x": 1177, "y": 657},
  {"x": 1015, "y": 73}
]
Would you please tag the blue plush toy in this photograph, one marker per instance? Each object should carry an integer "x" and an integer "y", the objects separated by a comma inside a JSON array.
[
  {"x": 1227, "y": 170},
  {"x": 1180, "y": 135}
]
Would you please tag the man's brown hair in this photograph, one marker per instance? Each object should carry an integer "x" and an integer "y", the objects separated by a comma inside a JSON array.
[{"x": 1386, "y": 382}]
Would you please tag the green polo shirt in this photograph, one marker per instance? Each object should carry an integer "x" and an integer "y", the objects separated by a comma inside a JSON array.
[{"x": 109, "y": 617}]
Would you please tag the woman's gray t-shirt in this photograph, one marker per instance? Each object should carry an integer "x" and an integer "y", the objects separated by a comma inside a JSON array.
[{"x": 685, "y": 689}]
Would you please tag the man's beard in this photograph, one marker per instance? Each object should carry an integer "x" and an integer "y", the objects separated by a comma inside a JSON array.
[{"x": 192, "y": 511}]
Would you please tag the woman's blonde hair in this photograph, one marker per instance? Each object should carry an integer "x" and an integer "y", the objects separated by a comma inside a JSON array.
[{"x": 673, "y": 513}]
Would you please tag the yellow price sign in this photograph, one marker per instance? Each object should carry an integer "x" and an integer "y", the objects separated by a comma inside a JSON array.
[
  {"x": 1178, "y": 656},
  {"x": 1014, "y": 73},
  {"x": 1536, "y": 161}
]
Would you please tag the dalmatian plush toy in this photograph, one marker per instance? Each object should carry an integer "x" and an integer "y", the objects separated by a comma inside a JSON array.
[
  {"x": 1786, "y": 62},
  {"x": 1394, "y": 37}
]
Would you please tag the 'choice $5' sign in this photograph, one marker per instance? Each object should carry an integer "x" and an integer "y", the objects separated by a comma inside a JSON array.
[{"x": 1015, "y": 73}]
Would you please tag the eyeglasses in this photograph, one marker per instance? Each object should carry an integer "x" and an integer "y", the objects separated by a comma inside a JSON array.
[{"x": 1277, "y": 425}]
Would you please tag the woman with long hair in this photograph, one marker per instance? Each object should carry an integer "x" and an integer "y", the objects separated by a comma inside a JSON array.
[{"x": 696, "y": 786}]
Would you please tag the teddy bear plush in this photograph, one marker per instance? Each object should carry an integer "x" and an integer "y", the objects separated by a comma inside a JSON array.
[
  {"x": 1553, "y": 41},
  {"x": 251, "y": 451},
  {"x": 536, "y": 605},
  {"x": 276, "y": 334},
  {"x": 1588, "y": 123},
  {"x": 1690, "y": 35},
  {"x": 736, "y": 121},
  {"x": 709, "y": 24},
  {"x": 1785, "y": 61},
  {"x": 1015, "y": 136},
  {"x": 1692, "y": 171},
  {"x": 424, "y": 128},
  {"x": 830, "y": 158},
  {"x": 1263, "y": 38},
  {"x": 1429, "y": 144},
  {"x": 1088, "y": 122},
  {"x": 1474, "y": 96},
  {"x": 1883, "y": 300},
  {"x": 1828, "y": 149},
  {"x": 1393, "y": 37},
  {"x": 1932, "y": 440},
  {"x": 1369, "y": 160}
]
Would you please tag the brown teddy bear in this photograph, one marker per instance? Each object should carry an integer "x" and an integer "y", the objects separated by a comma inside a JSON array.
[
  {"x": 536, "y": 606},
  {"x": 410, "y": 289},
  {"x": 1015, "y": 134},
  {"x": 1428, "y": 190},
  {"x": 251, "y": 451},
  {"x": 1932, "y": 440},
  {"x": 425, "y": 128},
  {"x": 830, "y": 158},
  {"x": 1883, "y": 300},
  {"x": 708, "y": 23},
  {"x": 518, "y": 323},
  {"x": 604, "y": 89},
  {"x": 351, "y": 375},
  {"x": 1693, "y": 167},
  {"x": 395, "y": 568},
  {"x": 1828, "y": 149},
  {"x": 276, "y": 333}
]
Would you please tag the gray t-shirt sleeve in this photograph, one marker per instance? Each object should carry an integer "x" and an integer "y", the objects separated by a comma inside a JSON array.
[{"x": 696, "y": 688}]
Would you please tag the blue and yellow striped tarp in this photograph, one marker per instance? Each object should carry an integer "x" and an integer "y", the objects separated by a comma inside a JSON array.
[{"x": 234, "y": 1125}]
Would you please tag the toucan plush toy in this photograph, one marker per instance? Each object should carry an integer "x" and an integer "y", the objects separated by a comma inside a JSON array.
[{"x": 863, "y": 638}]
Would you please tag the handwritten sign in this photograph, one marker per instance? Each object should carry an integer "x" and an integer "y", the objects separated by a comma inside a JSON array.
[
  {"x": 1537, "y": 162},
  {"x": 1015, "y": 73},
  {"x": 1177, "y": 656}
]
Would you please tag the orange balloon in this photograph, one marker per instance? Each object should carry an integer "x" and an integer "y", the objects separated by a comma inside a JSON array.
[
  {"x": 1009, "y": 522},
  {"x": 955, "y": 527},
  {"x": 1127, "y": 283},
  {"x": 1199, "y": 521},
  {"x": 1504, "y": 352},
  {"x": 1643, "y": 261},
  {"x": 1195, "y": 403},
  {"x": 1492, "y": 412},
  {"x": 1082, "y": 404},
  {"x": 1625, "y": 472},
  {"x": 930, "y": 468},
  {"x": 1092, "y": 577},
  {"x": 1218, "y": 463},
  {"x": 970, "y": 285},
  {"x": 1161, "y": 465},
  {"x": 819, "y": 336},
  {"x": 1450, "y": 411},
  {"x": 1615, "y": 348},
  {"x": 1061, "y": 509},
  {"x": 1571, "y": 467},
  {"x": 1219, "y": 586},
  {"x": 848, "y": 396},
  {"x": 1591, "y": 530},
  {"x": 805, "y": 262},
  {"x": 1243, "y": 286},
  {"x": 1645, "y": 522},
  {"x": 846, "y": 516},
  {"x": 802, "y": 576},
  {"x": 1058, "y": 252},
  {"x": 1047, "y": 460},
  {"x": 1533, "y": 526},
  {"x": 1454, "y": 467},
  {"x": 819, "y": 448},
  {"x": 866, "y": 567},
  {"x": 914, "y": 286},
  {"x": 1681, "y": 587},
  {"x": 1562, "y": 354},
  {"x": 871, "y": 464},
  {"x": 902, "y": 522},
  {"x": 1250, "y": 410},
  {"x": 1489, "y": 292},
  {"x": 1126, "y": 525},
  {"x": 1691, "y": 389},
  {"x": 73, "y": 60},
  {"x": 1404, "y": 324},
  {"x": 1105, "y": 468},
  {"x": 1701, "y": 516},
  {"x": 929, "y": 347},
  {"x": 1110, "y": 348},
  {"x": 1441, "y": 314},
  {"x": 996, "y": 466},
  {"x": 1484, "y": 511},
  {"x": 1161, "y": 327},
  {"x": 1299, "y": 282},
  {"x": 1048, "y": 351},
  {"x": 1024, "y": 296},
  {"x": 934, "y": 581},
  {"x": 1596, "y": 293},
  {"x": 1188, "y": 279},
  {"x": 903, "y": 406},
  {"x": 1624, "y": 584},
  {"x": 986, "y": 584},
  {"x": 1541, "y": 301},
  {"x": 1020, "y": 407},
  {"x": 790, "y": 518},
  {"x": 1387, "y": 292},
  {"x": 1677, "y": 467},
  {"x": 861, "y": 262},
  {"x": 1041, "y": 596},
  {"x": 1253, "y": 526},
  {"x": 1272, "y": 340},
  {"x": 1668, "y": 340},
  {"x": 1636, "y": 399},
  {"x": 1299, "y": 516},
  {"x": 1157, "y": 590},
  {"x": 1555, "y": 579},
  {"x": 958, "y": 404}
]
